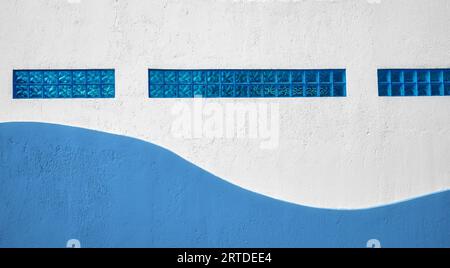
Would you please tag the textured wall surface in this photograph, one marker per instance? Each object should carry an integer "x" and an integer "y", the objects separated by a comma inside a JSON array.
[{"x": 353, "y": 152}]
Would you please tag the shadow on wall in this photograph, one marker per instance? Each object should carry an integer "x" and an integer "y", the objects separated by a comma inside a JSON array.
[{"x": 59, "y": 182}]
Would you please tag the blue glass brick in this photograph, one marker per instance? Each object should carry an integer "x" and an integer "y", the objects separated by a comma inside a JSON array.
[
  {"x": 410, "y": 89},
  {"x": 339, "y": 90},
  {"x": 396, "y": 89},
  {"x": 199, "y": 77},
  {"x": 436, "y": 90},
  {"x": 268, "y": 76},
  {"x": 227, "y": 90},
  {"x": 423, "y": 89},
  {"x": 297, "y": 90},
  {"x": 185, "y": 77},
  {"x": 270, "y": 90},
  {"x": 283, "y": 77},
  {"x": 311, "y": 90},
  {"x": 50, "y": 91},
  {"x": 422, "y": 76},
  {"x": 447, "y": 75},
  {"x": 35, "y": 91},
  {"x": 170, "y": 77},
  {"x": 435, "y": 76},
  {"x": 241, "y": 77},
  {"x": 409, "y": 76},
  {"x": 255, "y": 77},
  {"x": 325, "y": 76},
  {"x": 213, "y": 91},
  {"x": 255, "y": 91},
  {"x": 107, "y": 91},
  {"x": 325, "y": 90},
  {"x": 64, "y": 91},
  {"x": 311, "y": 76},
  {"x": 185, "y": 91},
  {"x": 383, "y": 76},
  {"x": 64, "y": 77},
  {"x": 170, "y": 91},
  {"x": 21, "y": 77},
  {"x": 93, "y": 91},
  {"x": 284, "y": 91},
  {"x": 36, "y": 77},
  {"x": 21, "y": 91},
  {"x": 107, "y": 77},
  {"x": 241, "y": 91},
  {"x": 213, "y": 77},
  {"x": 51, "y": 77},
  {"x": 227, "y": 76},
  {"x": 93, "y": 77},
  {"x": 447, "y": 89},
  {"x": 79, "y": 91},
  {"x": 297, "y": 76},
  {"x": 383, "y": 89},
  {"x": 156, "y": 91},
  {"x": 199, "y": 90},
  {"x": 79, "y": 77},
  {"x": 156, "y": 77},
  {"x": 396, "y": 76},
  {"x": 339, "y": 76}
]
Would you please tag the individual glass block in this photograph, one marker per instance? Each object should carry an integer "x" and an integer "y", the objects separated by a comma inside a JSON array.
[
  {"x": 213, "y": 91},
  {"x": 51, "y": 77},
  {"x": 227, "y": 77},
  {"x": 311, "y": 90},
  {"x": 284, "y": 91},
  {"x": 170, "y": 91},
  {"x": 396, "y": 76},
  {"x": 21, "y": 77},
  {"x": 241, "y": 77},
  {"x": 185, "y": 91},
  {"x": 422, "y": 76},
  {"x": 325, "y": 90},
  {"x": 283, "y": 77},
  {"x": 79, "y": 91},
  {"x": 156, "y": 91},
  {"x": 447, "y": 75},
  {"x": 325, "y": 76},
  {"x": 50, "y": 91},
  {"x": 170, "y": 77},
  {"x": 423, "y": 89},
  {"x": 338, "y": 76},
  {"x": 383, "y": 89},
  {"x": 199, "y": 90},
  {"x": 409, "y": 76},
  {"x": 21, "y": 91},
  {"x": 107, "y": 91},
  {"x": 213, "y": 77},
  {"x": 79, "y": 77},
  {"x": 185, "y": 77},
  {"x": 36, "y": 77},
  {"x": 93, "y": 91},
  {"x": 410, "y": 89},
  {"x": 383, "y": 76},
  {"x": 241, "y": 91},
  {"x": 93, "y": 77},
  {"x": 270, "y": 90},
  {"x": 255, "y": 91},
  {"x": 339, "y": 90},
  {"x": 269, "y": 77},
  {"x": 447, "y": 89},
  {"x": 65, "y": 77},
  {"x": 435, "y": 76},
  {"x": 396, "y": 89},
  {"x": 297, "y": 76},
  {"x": 297, "y": 90},
  {"x": 35, "y": 91},
  {"x": 255, "y": 77},
  {"x": 227, "y": 90},
  {"x": 436, "y": 89},
  {"x": 198, "y": 77},
  {"x": 156, "y": 77},
  {"x": 311, "y": 76},
  {"x": 64, "y": 91},
  {"x": 107, "y": 76}
]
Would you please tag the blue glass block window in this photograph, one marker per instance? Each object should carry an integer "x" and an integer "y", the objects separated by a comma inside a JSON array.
[
  {"x": 413, "y": 82},
  {"x": 49, "y": 84},
  {"x": 222, "y": 83}
]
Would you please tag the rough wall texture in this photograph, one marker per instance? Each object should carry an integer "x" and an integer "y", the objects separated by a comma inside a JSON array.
[{"x": 352, "y": 152}]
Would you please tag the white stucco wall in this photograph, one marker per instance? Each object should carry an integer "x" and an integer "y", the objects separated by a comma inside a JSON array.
[{"x": 353, "y": 152}]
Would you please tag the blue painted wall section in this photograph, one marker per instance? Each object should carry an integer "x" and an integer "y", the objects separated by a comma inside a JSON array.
[
  {"x": 413, "y": 82},
  {"x": 59, "y": 183},
  {"x": 50, "y": 84},
  {"x": 165, "y": 83}
]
